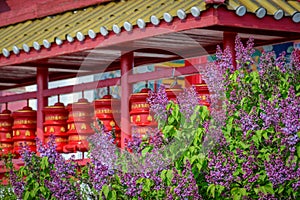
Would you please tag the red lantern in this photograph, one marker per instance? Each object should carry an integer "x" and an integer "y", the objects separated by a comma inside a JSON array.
[
  {"x": 107, "y": 110},
  {"x": 56, "y": 124},
  {"x": 24, "y": 129},
  {"x": 141, "y": 119},
  {"x": 200, "y": 87},
  {"x": 79, "y": 126},
  {"x": 202, "y": 90},
  {"x": 6, "y": 142},
  {"x": 173, "y": 92}
]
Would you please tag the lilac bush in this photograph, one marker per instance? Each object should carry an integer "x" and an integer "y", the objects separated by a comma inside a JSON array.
[
  {"x": 247, "y": 146},
  {"x": 262, "y": 129}
]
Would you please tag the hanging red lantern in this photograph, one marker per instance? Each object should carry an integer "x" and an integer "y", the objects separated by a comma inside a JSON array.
[
  {"x": 56, "y": 124},
  {"x": 203, "y": 91},
  {"x": 173, "y": 92},
  {"x": 79, "y": 126},
  {"x": 6, "y": 142},
  {"x": 141, "y": 119},
  {"x": 24, "y": 129},
  {"x": 107, "y": 110},
  {"x": 200, "y": 87}
]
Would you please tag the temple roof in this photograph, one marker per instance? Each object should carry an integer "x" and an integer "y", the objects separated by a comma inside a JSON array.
[{"x": 32, "y": 35}]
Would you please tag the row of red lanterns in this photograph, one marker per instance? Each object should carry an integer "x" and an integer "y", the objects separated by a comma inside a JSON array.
[
  {"x": 71, "y": 124},
  {"x": 140, "y": 117}
]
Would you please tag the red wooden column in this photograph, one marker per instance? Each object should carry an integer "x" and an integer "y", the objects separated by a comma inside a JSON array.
[
  {"x": 42, "y": 79},
  {"x": 127, "y": 63},
  {"x": 229, "y": 41}
]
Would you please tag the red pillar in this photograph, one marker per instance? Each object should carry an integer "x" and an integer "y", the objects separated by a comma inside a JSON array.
[
  {"x": 229, "y": 41},
  {"x": 127, "y": 62},
  {"x": 42, "y": 79}
]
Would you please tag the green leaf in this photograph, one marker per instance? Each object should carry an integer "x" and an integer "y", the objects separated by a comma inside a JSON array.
[
  {"x": 298, "y": 150},
  {"x": 44, "y": 163},
  {"x": 267, "y": 189},
  {"x": 211, "y": 190},
  {"x": 259, "y": 135},
  {"x": 112, "y": 195},
  {"x": 27, "y": 194},
  {"x": 169, "y": 175},
  {"x": 265, "y": 135},
  {"x": 147, "y": 185},
  {"x": 146, "y": 150},
  {"x": 105, "y": 190},
  {"x": 163, "y": 174}
]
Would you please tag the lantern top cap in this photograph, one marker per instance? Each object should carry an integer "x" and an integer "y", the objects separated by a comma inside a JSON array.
[
  {"x": 6, "y": 112},
  {"x": 82, "y": 101}
]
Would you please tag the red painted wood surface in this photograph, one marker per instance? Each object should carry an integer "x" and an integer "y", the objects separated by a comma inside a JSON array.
[
  {"x": 61, "y": 90},
  {"x": 267, "y": 24},
  {"x": 229, "y": 42},
  {"x": 127, "y": 63},
  {"x": 42, "y": 80},
  {"x": 13, "y": 11}
]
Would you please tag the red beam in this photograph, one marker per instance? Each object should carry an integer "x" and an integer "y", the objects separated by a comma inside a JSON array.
[
  {"x": 249, "y": 20},
  {"x": 81, "y": 87},
  {"x": 62, "y": 90},
  {"x": 13, "y": 11},
  {"x": 18, "y": 97},
  {"x": 207, "y": 19},
  {"x": 166, "y": 73}
]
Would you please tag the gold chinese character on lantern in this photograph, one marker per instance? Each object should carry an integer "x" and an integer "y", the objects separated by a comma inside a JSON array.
[
  {"x": 149, "y": 118},
  {"x": 112, "y": 123},
  {"x": 8, "y": 135},
  {"x": 138, "y": 118},
  {"x": 83, "y": 127},
  {"x": 62, "y": 129},
  {"x": 27, "y": 133},
  {"x": 51, "y": 130}
]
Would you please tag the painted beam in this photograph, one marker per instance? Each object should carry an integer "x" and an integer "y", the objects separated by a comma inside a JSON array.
[
  {"x": 167, "y": 73},
  {"x": 18, "y": 97},
  {"x": 81, "y": 87}
]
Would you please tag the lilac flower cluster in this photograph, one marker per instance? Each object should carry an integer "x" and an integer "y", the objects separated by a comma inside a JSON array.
[
  {"x": 26, "y": 154},
  {"x": 17, "y": 184},
  {"x": 295, "y": 61},
  {"x": 186, "y": 184},
  {"x": 270, "y": 114},
  {"x": 248, "y": 121},
  {"x": 263, "y": 196},
  {"x": 130, "y": 182},
  {"x": 99, "y": 174},
  {"x": 158, "y": 102},
  {"x": 290, "y": 118},
  {"x": 244, "y": 53},
  {"x": 278, "y": 172},
  {"x": 61, "y": 171},
  {"x": 187, "y": 101},
  {"x": 221, "y": 169},
  {"x": 249, "y": 168}
]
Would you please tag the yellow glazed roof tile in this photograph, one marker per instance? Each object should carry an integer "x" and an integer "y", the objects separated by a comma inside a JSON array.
[{"x": 42, "y": 32}]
